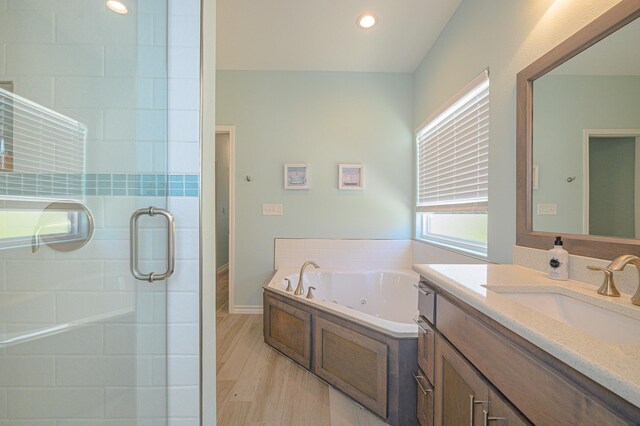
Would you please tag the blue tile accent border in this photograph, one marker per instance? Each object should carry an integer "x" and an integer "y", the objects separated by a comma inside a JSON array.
[{"x": 78, "y": 185}]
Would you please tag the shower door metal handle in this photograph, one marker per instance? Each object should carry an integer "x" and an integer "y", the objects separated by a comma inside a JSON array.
[{"x": 171, "y": 244}]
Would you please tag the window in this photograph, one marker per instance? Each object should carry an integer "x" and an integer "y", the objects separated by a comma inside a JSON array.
[
  {"x": 452, "y": 172},
  {"x": 42, "y": 160},
  {"x": 6, "y": 124}
]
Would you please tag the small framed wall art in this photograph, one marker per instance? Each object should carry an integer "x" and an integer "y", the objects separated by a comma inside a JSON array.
[
  {"x": 351, "y": 176},
  {"x": 296, "y": 176}
]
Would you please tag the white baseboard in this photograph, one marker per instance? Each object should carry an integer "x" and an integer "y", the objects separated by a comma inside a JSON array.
[
  {"x": 223, "y": 268},
  {"x": 245, "y": 309}
]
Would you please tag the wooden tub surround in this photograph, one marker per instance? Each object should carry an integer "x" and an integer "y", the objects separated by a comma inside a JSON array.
[
  {"x": 374, "y": 369},
  {"x": 474, "y": 370}
]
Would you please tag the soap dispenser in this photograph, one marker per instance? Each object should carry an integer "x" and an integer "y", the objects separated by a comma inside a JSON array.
[{"x": 558, "y": 261}]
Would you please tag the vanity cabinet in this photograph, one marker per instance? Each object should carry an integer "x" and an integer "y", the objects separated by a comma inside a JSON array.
[
  {"x": 480, "y": 363},
  {"x": 425, "y": 375}
]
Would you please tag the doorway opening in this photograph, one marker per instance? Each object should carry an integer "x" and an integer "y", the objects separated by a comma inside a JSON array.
[
  {"x": 611, "y": 193},
  {"x": 225, "y": 218}
]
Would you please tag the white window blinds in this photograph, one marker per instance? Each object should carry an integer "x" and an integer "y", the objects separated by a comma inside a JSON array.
[
  {"x": 42, "y": 152},
  {"x": 453, "y": 154}
]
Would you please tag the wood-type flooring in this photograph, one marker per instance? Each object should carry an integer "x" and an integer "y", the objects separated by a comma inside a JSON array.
[{"x": 256, "y": 385}]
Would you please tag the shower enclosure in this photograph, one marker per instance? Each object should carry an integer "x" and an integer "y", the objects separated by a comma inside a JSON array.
[{"x": 83, "y": 146}]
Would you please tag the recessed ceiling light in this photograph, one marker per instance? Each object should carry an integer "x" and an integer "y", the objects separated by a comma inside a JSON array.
[
  {"x": 366, "y": 20},
  {"x": 117, "y": 6}
]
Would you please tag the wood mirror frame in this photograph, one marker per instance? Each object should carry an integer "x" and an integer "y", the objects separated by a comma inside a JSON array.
[{"x": 584, "y": 245}]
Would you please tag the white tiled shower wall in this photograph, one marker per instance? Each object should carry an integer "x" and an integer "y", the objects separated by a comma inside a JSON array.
[
  {"x": 183, "y": 366},
  {"x": 118, "y": 91}
]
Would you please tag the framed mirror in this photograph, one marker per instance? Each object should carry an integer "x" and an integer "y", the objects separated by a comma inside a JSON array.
[{"x": 578, "y": 140}]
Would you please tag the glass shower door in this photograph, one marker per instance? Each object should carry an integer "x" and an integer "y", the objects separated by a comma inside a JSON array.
[{"x": 83, "y": 143}]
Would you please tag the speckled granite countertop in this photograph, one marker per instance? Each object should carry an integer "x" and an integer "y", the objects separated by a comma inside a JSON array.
[{"x": 616, "y": 366}]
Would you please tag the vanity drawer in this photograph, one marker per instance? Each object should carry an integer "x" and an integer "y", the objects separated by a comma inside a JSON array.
[
  {"x": 425, "y": 400},
  {"x": 427, "y": 301},
  {"x": 426, "y": 347}
]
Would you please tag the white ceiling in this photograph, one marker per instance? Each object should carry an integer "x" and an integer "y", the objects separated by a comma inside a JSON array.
[{"x": 322, "y": 35}]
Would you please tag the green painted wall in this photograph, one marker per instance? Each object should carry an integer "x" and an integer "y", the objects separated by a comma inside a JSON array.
[
  {"x": 505, "y": 36},
  {"x": 565, "y": 105},
  {"x": 323, "y": 119}
]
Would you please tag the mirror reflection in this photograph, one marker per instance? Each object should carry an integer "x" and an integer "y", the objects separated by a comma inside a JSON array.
[{"x": 586, "y": 141}]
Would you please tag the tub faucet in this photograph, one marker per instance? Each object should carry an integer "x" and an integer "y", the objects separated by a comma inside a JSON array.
[
  {"x": 300, "y": 288},
  {"x": 310, "y": 293},
  {"x": 288, "y": 285},
  {"x": 620, "y": 263}
]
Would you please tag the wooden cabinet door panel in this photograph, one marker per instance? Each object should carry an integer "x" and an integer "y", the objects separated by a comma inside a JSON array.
[
  {"x": 501, "y": 413},
  {"x": 288, "y": 329},
  {"x": 460, "y": 393},
  {"x": 352, "y": 362}
]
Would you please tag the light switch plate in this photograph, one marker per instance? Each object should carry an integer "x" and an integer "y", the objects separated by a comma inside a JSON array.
[
  {"x": 272, "y": 210},
  {"x": 547, "y": 209}
]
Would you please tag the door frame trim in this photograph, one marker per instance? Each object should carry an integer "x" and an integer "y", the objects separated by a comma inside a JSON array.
[
  {"x": 231, "y": 131},
  {"x": 207, "y": 232},
  {"x": 586, "y": 135}
]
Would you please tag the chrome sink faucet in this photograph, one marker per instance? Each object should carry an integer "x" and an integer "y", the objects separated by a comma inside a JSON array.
[
  {"x": 300, "y": 288},
  {"x": 620, "y": 263}
]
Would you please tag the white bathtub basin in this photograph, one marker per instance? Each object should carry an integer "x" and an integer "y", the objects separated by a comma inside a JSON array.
[
  {"x": 597, "y": 322},
  {"x": 385, "y": 300}
]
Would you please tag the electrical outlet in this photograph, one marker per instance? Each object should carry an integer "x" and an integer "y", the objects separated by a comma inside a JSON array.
[
  {"x": 272, "y": 210},
  {"x": 547, "y": 209}
]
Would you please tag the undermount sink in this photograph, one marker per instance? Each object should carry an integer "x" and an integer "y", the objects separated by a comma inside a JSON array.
[{"x": 597, "y": 322}]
